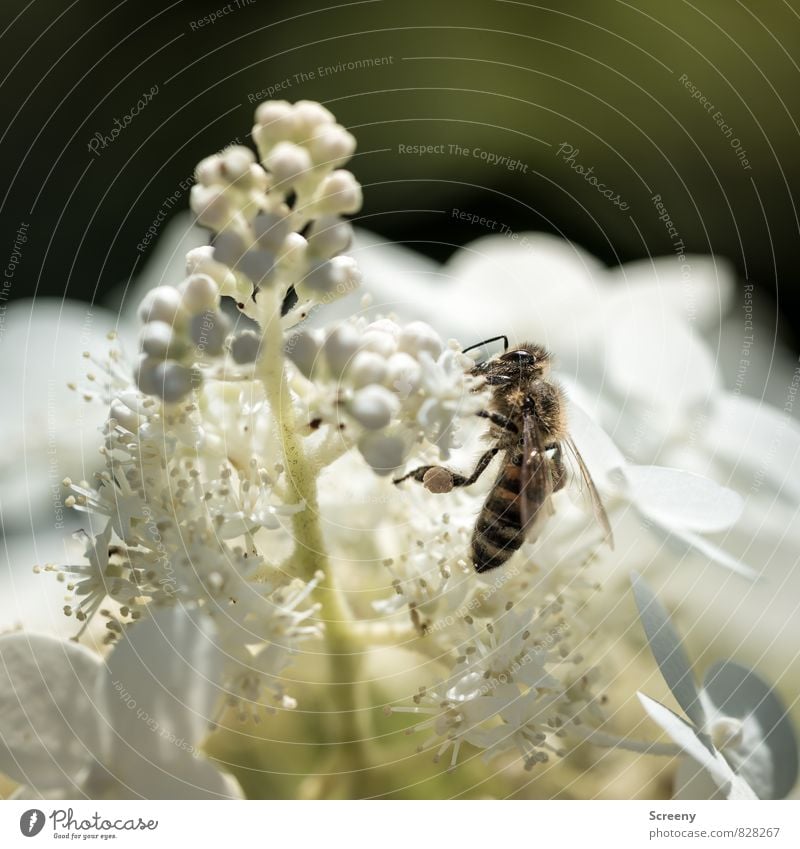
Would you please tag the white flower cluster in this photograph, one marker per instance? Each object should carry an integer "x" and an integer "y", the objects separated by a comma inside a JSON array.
[
  {"x": 181, "y": 326},
  {"x": 387, "y": 387},
  {"x": 258, "y": 209},
  {"x": 516, "y": 683},
  {"x": 176, "y": 509}
]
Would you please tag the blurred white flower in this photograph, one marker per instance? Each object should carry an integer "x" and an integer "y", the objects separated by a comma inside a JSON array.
[
  {"x": 740, "y": 742},
  {"x": 127, "y": 727}
]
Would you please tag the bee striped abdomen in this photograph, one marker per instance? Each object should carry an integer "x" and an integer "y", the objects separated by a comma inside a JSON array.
[{"x": 498, "y": 531}]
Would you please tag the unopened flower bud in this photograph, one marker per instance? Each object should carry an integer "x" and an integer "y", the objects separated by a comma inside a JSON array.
[
  {"x": 212, "y": 206},
  {"x": 308, "y": 115},
  {"x": 367, "y": 368},
  {"x": 379, "y": 342},
  {"x": 207, "y": 171},
  {"x": 403, "y": 373},
  {"x": 275, "y": 122},
  {"x": 271, "y": 230},
  {"x": 201, "y": 261},
  {"x": 340, "y": 193},
  {"x": 245, "y": 347},
  {"x": 417, "y": 337},
  {"x": 384, "y": 453},
  {"x": 340, "y": 346},
  {"x": 258, "y": 265},
  {"x": 373, "y": 407},
  {"x": 199, "y": 293},
  {"x": 173, "y": 381},
  {"x": 320, "y": 280},
  {"x": 234, "y": 165},
  {"x": 331, "y": 145},
  {"x": 288, "y": 162},
  {"x": 303, "y": 348},
  {"x": 161, "y": 304},
  {"x": 329, "y": 235},
  {"x": 145, "y": 374},
  {"x": 208, "y": 331},
  {"x": 159, "y": 340}
]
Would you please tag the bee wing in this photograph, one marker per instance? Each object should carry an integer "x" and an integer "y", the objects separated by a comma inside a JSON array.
[
  {"x": 536, "y": 484},
  {"x": 598, "y": 509}
]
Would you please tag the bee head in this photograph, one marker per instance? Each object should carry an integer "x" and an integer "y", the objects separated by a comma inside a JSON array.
[{"x": 528, "y": 358}]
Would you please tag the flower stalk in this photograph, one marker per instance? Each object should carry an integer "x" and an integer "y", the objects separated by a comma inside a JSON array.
[{"x": 310, "y": 557}]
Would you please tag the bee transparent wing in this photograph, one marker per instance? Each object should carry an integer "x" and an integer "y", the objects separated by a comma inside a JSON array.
[
  {"x": 536, "y": 484},
  {"x": 598, "y": 509}
]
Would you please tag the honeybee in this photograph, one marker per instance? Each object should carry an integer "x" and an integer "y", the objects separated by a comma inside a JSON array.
[{"x": 528, "y": 426}]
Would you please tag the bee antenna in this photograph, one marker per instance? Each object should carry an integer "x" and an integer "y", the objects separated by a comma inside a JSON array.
[{"x": 486, "y": 342}]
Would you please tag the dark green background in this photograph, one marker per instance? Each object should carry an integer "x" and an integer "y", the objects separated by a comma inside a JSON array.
[{"x": 512, "y": 78}]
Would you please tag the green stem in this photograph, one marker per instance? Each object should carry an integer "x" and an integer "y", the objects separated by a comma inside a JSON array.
[
  {"x": 310, "y": 557},
  {"x": 344, "y": 656}
]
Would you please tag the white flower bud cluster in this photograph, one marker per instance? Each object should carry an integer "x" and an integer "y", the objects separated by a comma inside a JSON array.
[
  {"x": 386, "y": 386},
  {"x": 278, "y": 222},
  {"x": 181, "y": 325}
]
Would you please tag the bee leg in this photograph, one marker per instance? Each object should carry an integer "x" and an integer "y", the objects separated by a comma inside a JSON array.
[
  {"x": 499, "y": 420},
  {"x": 455, "y": 478}
]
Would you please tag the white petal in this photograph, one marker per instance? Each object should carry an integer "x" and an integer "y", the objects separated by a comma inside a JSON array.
[
  {"x": 692, "y": 782},
  {"x": 48, "y": 721},
  {"x": 668, "y": 650},
  {"x": 188, "y": 776},
  {"x": 699, "y": 290},
  {"x": 683, "y": 735},
  {"x": 656, "y": 358},
  {"x": 531, "y": 286},
  {"x": 750, "y": 433},
  {"x": 738, "y": 692},
  {"x": 161, "y": 694},
  {"x": 681, "y": 499},
  {"x": 686, "y": 542},
  {"x": 597, "y": 448}
]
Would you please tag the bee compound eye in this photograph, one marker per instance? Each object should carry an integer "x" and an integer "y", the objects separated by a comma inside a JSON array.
[{"x": 520, "y": 356}]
